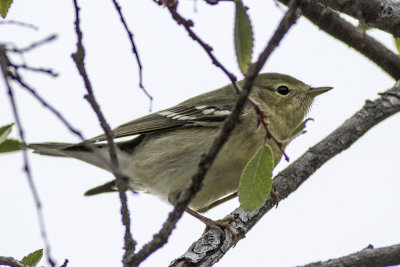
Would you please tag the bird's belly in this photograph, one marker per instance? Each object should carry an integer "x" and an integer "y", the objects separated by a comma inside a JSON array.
[{"x": 167, "y": 165}]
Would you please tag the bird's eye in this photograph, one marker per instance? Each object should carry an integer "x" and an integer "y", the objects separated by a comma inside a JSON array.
[{"x": 283, "y": 90}]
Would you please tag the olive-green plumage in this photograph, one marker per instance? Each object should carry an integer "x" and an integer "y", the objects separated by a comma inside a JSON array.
[{"x": 165, "y": 155}]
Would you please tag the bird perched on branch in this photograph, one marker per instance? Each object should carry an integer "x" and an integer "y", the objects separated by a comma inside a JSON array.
[{"x": 166, "y": 146}]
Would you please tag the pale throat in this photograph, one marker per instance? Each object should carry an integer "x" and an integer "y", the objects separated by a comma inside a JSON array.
[{"x": 281, "y": 127}]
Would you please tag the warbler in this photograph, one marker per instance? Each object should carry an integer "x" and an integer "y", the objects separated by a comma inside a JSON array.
[{"x": 166, "y": 146}]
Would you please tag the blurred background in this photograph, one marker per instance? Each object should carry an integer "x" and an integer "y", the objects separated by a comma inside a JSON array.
[{"x": 351, "y": 202}]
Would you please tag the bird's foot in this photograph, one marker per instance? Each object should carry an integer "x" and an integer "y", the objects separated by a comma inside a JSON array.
[
  {"x": 220, "y": 224},
  {"x": 275, "y": 196}
]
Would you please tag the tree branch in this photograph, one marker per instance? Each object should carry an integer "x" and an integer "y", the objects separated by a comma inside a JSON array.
[
  {"x": 371, "y": 257},
  {"x": 333, "y": 24},
  {"x": 34, "y": 45},
  {"x": 20, "y": 23},
  {"x": 381, "y": 14},
  {"x": 211, "y": 246},
  {"x": 10, "y": 261},
  {"x": 34, "y": 69}
]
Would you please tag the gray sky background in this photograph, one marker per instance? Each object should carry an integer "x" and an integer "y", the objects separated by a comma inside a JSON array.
[{"x": 352, "y": 201}]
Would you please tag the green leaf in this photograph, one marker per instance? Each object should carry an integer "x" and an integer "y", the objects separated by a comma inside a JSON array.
[
  {"x": 4, "y": 6},
  {"x": 255, "y": 183},
  {"x": 243, "y": 37},
  {"x": 10, "y": 145},
  {"x": 397, "y": 44},
  {"x": 33, "y": 258},
  {"x": 5, "y": 131}
]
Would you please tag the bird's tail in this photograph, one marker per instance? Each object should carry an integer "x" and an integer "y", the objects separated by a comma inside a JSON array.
[
  {"x": 99, "y": 157},
  {"x": 104, "y": 188},
  {"x": 48, "y": 149},
  {"x": 85, "y": 153}
]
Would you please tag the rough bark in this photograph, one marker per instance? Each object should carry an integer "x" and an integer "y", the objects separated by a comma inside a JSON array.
[
  {"x": 371, "y": 257},
  {"x": 381, "y": 14}
]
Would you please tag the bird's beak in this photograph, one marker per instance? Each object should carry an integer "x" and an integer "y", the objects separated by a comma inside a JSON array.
[{"x": 314, "y": 91}]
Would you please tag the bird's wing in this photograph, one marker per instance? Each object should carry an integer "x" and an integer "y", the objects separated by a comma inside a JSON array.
[{"x": 172, "y": 118}]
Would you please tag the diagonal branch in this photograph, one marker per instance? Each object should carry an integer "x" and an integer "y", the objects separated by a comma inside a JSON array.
[
  {"x": 187, "y": 195},
  {"x": 9, "y": 261},
  {"x": 333, "y": 24},
  {"x": 34, "y": 69},
  {"x": 381, "y": 14},
  {"x": 33, "y": 45},
  {"x": 211, "y": 246},
  {"x": 188, "y": 24},
  {"x": 370, "y": 256},
  {"x": 20, "y": 23}
]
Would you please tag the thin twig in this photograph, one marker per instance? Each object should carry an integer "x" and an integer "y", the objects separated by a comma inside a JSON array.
[
  {"x": 121, "y": 180},
  {"x": 135, "y": 52},
  {"x": 188, "y": 24},
  {"x": 6, "y": 75},
  {"x": 187, "y": 195},
  {"x": 65, "y": 264},
  {"x": 33, "y": 45},
  {"x": 50, "y": 107},
  {"x": 34, "y": 69},
  {"x": 20, "y": 23}
]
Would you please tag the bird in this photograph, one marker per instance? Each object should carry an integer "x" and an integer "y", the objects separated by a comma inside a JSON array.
[{"x": 165, "y": 147}]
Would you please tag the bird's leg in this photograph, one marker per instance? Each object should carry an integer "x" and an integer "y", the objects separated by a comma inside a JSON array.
[
  {"x": 224, "y": 223},
  {"x": 275, "y": 195},
  {"x": 218, "y": 202}
]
